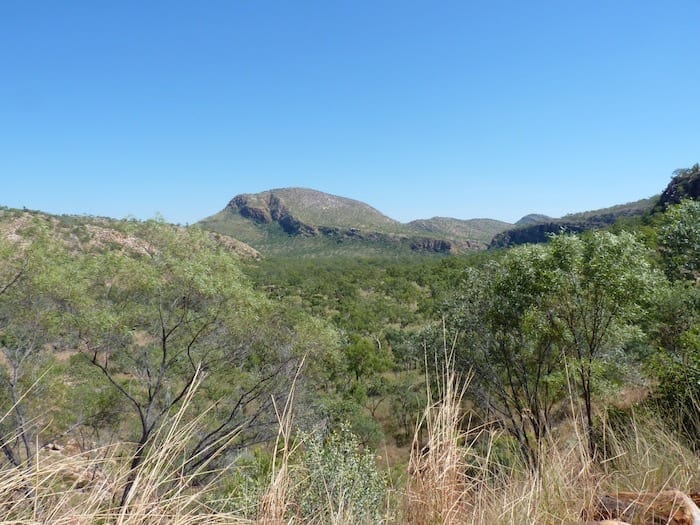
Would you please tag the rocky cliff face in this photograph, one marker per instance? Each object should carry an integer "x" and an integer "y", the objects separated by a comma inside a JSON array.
[
  {"x": 259, "y": 210},
  {"x": 684, "y": 185},
  {"x": 431, "y": 245},
  {"x": 270, "y": 209}
]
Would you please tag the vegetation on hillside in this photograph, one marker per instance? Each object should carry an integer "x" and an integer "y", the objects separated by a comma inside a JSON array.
[
  {"x": 539, "y": 229},
  {"x": 154, "y": 374}
]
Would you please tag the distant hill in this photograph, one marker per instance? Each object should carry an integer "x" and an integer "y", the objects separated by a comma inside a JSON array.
[
  {"x": 538, "y": 228},
  {"x": 303, "y": 222},
  {"x": 480, "y": 231},
  {"x": 533, "y": 218},
  {"x": 306, "y": 222},
  {"x": 295, "y": 208},
  {"x": 685, "y": 184}
]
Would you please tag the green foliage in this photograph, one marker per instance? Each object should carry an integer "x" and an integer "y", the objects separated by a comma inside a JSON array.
[
  {"x": 34, "y": 282},
  {"x": 147, "y": 304},
  {"x": 366, "y": 358},
  {"x": 605, "y": 283},
  {"x": 94, "y": 404},
  {"x": 679, "y": 241},
  {"x": 348, "y": 409},
  {"x": 524, "y": 320},
  {"x": 117, "y": 332},
  {"x": 674, "y": 332},
  {"x": 503, "y": 336},
  {"x": 677, "y": 395},
  {"x": 153, "y": 320},
  {"x": 407, "y": 401},
  {"x": 339, "y": 482}
]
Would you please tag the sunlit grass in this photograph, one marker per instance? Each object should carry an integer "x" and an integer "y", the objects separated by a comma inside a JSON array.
[{"x": 458, "y": 474}]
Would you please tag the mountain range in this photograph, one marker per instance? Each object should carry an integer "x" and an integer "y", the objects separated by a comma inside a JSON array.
[
  {"x": 299, "y": 222},
  {"x": 306, "y": 222},
  {"x": 302, "y": 221}
]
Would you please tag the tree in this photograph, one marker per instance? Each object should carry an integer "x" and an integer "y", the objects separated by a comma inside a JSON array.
[
  {"x": 156, "y": 320},
  {"x": 503, "y": 339},
  {"x": 522, "y": 322},
  {"x": 366, "y": 358},
  {"x": 604, "y": 284},
  {"x": 35, "y": 277},
  {"x": 675, "y": 362},
  {"x": 676, "y": 317},
  {"x": 679, "y": 241}
]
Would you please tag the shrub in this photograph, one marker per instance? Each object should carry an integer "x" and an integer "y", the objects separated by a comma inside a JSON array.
[{"x": 340, "y": 482}]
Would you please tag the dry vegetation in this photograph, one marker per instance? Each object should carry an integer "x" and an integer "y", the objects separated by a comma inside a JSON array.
[{"x": 457, "y": 474}]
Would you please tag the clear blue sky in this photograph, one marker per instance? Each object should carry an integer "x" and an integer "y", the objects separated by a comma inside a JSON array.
[{"x": 419, "y": 108}]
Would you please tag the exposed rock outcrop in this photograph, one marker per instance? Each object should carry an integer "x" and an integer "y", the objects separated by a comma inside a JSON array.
[
  {"x": 431, "y": 245},
  {"x": 259, "y": 210},
  {"x": 270, "y": 209},
  {"x": 684, "y": 185}
]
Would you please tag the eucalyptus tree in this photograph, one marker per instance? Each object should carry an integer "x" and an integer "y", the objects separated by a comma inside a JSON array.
[
  {"x": 547, "y": 320},
  {"x": 605, "y": 283},
  {"x": 501, "y": 336},
  {"x": 679, "y": 241},
  {"x": 676, "y": 320}
]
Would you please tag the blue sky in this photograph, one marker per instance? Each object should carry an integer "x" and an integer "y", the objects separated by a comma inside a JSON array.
[{"x": 418, "y": 108}]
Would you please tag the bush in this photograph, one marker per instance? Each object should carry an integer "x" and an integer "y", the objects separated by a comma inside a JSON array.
[{"x": 340, "y": 482}]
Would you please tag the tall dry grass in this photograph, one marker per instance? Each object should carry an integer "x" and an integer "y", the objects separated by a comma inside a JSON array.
[
  {"x": 274, "y": 507},
  {"x": 458, "y": 474},
  {"x": 439, "y": 488},
  {"x": 86, "y": 488},
  {"x": 644, "y": 455}
]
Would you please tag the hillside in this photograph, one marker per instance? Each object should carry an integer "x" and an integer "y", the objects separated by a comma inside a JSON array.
[
  {"x": 538, "y": 228},
  {"x": 304, "y": 222},
  {"x": 93, "y": 234},
  {"x": 470, "y": 230},
  {"x": 295, "y": 208},
  {"x": 685, "y": 184},
  {"x": 532, "y": 218}
]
